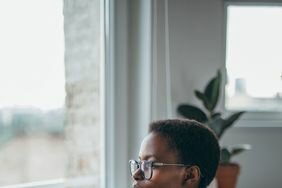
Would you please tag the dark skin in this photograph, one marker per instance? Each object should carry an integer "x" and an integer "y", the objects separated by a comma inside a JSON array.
[{"x": 155, "y": 148}]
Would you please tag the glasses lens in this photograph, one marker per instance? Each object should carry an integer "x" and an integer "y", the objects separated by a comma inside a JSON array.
[
  {"x": 134, "y": 166},
  {"x": 146, "y": 168}
]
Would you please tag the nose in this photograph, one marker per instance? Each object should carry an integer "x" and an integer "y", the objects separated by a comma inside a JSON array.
[{"x": 138, "y": 175}]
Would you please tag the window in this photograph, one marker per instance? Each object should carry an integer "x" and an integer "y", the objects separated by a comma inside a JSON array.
[
  {"x": 32, "y": 91},
  {"x": 253, "y": 58},
  {"x": 51, "y": 107}
]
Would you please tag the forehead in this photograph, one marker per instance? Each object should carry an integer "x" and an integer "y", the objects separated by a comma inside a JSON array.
[{"x": 156, "y": 147}]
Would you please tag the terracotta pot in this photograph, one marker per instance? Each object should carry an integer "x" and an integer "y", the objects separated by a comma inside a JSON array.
[{"x": 227, "y": 175}]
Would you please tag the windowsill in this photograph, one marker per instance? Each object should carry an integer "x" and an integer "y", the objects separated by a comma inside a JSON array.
[
  {"x": 86, "y": 181},
  {"x": 259, "y": 119},
  {"x": 58, "y": 183}
]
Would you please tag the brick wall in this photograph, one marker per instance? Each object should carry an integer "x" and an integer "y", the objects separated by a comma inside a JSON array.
[{"x": 82, "y": 64}]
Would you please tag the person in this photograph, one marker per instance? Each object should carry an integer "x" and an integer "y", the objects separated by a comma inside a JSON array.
[{"x": 176, "y": 153}]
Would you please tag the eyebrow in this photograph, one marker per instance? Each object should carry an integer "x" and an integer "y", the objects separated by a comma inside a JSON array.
[{"x": 148, "y": 157}]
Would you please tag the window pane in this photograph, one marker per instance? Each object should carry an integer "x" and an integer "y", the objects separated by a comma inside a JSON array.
[
  {"x": 32, "y": 91},
  {"x": 254, "y": 58}
]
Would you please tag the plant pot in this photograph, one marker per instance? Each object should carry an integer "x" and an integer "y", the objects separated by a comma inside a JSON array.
[{"x": 227, "y": 175}]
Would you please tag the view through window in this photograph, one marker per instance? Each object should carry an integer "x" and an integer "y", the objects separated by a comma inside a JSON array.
[
  {"x": 254, "y": 58},
  {"x": 32, "y": 92}
]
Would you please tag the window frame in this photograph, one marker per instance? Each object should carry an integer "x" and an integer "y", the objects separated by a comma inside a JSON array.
[
  {"x": 106, "y": 12},
  {"x": 115, "y": 112}
]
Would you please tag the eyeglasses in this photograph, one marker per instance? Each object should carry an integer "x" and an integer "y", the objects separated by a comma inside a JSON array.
[{"x": 147, "y": 166}]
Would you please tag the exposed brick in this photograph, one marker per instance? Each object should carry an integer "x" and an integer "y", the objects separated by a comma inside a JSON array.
[{"x": 82, "y": 63}]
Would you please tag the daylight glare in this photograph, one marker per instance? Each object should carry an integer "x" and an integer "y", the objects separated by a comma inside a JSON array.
[
  {"x": 32, "y": 55},
  {"x": 254, "y": 44}
]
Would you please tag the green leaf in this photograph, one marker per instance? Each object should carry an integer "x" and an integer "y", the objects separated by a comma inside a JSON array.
[
  {"x": 231, "y": 119},
  {"x": 225, "y": 155},
  {"x": 192, "y": 112},
  {"x": 203, "y": 98},
  {"x": 216, "y": 114},
  {"x": 200, "y": 95},
  {"x": 212, "y": 91},
  {"x": 216, "y": 123},
  {"x": 239, "y": 149},
  {"x": 228, "y": 122}
]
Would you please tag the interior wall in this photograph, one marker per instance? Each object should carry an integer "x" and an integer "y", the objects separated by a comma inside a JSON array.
[{"x": 196, "y": 30}]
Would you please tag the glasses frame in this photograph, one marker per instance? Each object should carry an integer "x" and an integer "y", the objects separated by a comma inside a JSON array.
[{"x": 152, "y": 165}]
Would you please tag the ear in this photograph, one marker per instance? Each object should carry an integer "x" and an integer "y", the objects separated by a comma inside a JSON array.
[{"x": 192, "y": 175}]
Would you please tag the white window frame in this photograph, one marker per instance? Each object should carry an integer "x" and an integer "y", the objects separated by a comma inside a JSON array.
[
  {"x": 115, "y": 156},
  {"x": 56, "y": 183},
  {"x": 126, "y": 114},
  {"x": 252, "y": 119}
]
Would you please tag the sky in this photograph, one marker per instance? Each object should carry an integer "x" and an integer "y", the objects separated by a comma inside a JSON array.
[{"x": 32, "y": 54}]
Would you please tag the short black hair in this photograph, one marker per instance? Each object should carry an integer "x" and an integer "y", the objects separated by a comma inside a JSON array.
[{"x": 194, "y": 144}]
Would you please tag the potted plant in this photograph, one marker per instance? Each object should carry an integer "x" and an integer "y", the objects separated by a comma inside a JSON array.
[{"x": 227, "y": 171}]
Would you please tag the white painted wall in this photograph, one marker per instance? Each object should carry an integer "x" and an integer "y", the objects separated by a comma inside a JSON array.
[
  {"x": 196, "y": 38},
  {"x": 197, "y": 51}
]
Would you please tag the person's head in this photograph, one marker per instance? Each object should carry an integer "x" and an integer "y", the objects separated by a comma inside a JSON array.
[{"x": 176, "y": 154}]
